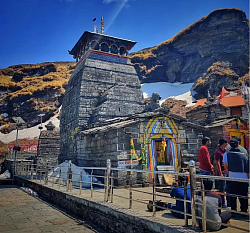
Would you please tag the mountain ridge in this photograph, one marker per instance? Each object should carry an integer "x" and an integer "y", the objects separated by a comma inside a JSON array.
[{"x": 223, "y": 35}]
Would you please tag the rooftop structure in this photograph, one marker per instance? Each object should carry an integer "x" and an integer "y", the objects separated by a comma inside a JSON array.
[
  {"x": 227, "y": 101},
  {"x": 100, "y": 42}
]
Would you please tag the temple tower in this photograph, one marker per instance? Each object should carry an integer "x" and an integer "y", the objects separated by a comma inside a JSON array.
[{"x": 103, "y": 86}]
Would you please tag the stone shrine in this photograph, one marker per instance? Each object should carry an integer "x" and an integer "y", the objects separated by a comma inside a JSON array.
[{"x": 48, "y": 146}]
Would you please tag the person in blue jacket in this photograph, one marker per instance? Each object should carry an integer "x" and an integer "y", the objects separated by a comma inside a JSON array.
[{"x": 178, "y": 192}]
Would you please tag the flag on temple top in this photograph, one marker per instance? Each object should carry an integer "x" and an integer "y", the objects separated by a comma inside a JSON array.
[
  {"x": 163, "y": 142},
  {"x": 223, "y": 92}
]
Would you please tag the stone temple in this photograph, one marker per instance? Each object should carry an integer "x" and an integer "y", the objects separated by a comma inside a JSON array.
[
  {"x": 103, "y": 110},
  {"x": 103, "y": 86}
]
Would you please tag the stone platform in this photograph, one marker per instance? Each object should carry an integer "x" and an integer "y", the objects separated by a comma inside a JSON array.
[{"x": 116, "y": 216}]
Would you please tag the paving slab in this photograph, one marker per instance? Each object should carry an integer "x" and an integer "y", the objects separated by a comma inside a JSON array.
[{"x": 34, "y": 215}]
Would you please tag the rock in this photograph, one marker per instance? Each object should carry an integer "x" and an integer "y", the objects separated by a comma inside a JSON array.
[
  {"x": 154, "y": 103},
  {"x": 223, "y": 35},
  {"x": 177, "y": 107},
  {"x": 217, "y": 76}
]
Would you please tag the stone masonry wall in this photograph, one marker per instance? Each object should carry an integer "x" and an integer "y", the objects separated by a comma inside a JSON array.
[
  {"x": 206, "y": 115},
  {"x": 190, "y": 142},
  {"x": 98, "y": 89},
  {"x": 48, "y": 148},
  {"x": 95, "y": 149},
  {"x": 245, "y": 114},
  {"x": 109, "y": 90}
]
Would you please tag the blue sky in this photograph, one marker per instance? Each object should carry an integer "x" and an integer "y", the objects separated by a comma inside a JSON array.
[{"x": 35, "y": 31}]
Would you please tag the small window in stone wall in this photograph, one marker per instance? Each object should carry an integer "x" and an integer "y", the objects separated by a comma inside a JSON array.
[
  {"x": 114, "y": 49},
  {"x": 104, "y": 47}
]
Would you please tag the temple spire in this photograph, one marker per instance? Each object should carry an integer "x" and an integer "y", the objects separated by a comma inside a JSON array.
[{"x": 102, "y": 25}]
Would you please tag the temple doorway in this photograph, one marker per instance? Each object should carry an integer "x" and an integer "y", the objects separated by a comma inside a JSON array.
[{"x": 161, "y": 153}]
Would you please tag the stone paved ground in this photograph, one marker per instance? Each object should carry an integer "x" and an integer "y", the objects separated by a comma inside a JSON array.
[{"x": 20, "y": 212}]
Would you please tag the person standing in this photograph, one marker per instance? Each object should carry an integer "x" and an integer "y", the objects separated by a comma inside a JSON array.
[
  {"x": 236, "y": 165},
  {"x": 218, "y": 156},
  {"x": 205, "y": 166},
  {"x": 241, "y": 148}
]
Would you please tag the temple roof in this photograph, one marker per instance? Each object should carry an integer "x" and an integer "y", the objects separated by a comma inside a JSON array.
[
  {"x": 88, "y": 36},
  {"x": 227, "y": 101}
]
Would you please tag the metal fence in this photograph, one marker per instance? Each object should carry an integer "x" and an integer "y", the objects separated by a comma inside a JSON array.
[{"x": 108, "y": 189}]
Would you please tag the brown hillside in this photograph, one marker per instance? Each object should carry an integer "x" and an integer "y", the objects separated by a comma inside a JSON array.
[{"x": 28, "y": 90}]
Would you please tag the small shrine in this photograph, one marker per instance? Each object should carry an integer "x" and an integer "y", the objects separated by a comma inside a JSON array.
[{"x": 48, "y": 146}]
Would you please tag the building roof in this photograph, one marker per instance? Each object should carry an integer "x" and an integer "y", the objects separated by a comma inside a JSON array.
[
  {"x": 104, "y": 128},
  {"x": 232, "y": 101},
  {"x": 224, "y": 121},
  {"x": 220, "y": 122},
  {"x": 227, "y": 101},
  {"x": 88, "y": 36},
  {"x": 200, "y": 102},
  {"x": 121, "y": 122}
]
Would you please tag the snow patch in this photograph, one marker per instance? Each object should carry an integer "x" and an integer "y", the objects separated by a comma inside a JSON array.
[
  {"x": 186, "y": 96},
  {"x": 28, "y": 133},
  {"x": 179, "y": 91}
]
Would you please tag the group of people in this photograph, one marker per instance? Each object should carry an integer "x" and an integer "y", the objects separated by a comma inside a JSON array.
[{"x": 231, "y": 160}]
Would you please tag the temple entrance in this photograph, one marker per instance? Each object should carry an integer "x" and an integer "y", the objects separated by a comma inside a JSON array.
[
  {"x": 238, "y": 134},
  {"x": 162, "y": 155}
]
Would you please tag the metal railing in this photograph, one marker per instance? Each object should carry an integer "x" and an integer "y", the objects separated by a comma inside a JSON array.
[{"x": 64, "y": 177}]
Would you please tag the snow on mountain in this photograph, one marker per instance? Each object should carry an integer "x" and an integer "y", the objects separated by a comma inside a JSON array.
[
  {"x": 29, "y": 133},
  {"x": 179, "y": 91}
]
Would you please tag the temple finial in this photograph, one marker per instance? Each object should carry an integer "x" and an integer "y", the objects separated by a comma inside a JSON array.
[
  {"x": 95, "y": 28},
  {"x": 102, "y": 25}
]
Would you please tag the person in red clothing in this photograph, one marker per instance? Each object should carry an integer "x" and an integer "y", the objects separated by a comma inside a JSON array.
[{"x": 206, "y": 168}]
